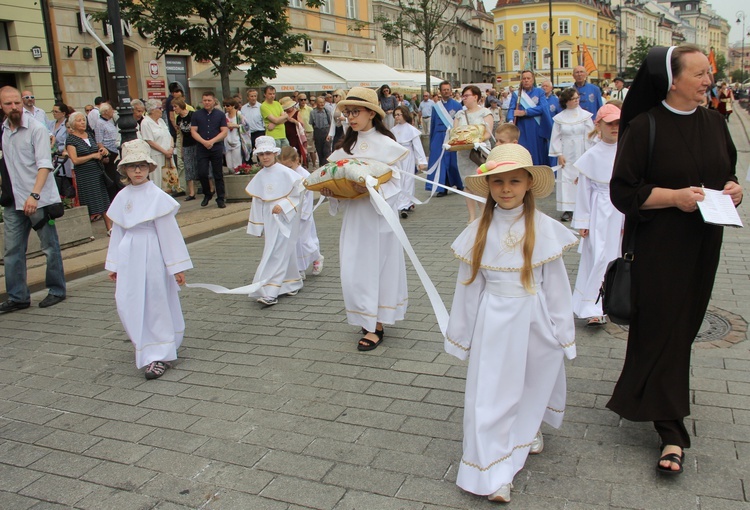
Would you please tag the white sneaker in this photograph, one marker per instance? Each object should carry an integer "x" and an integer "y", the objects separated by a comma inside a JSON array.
[
  {"x": 292, "y": 292},
  {"x": 267, "y": 300},
  {"x": 318, "y": 266},
  {"x": 537, "y": 444},
  {"x": 502, "y": 495},
  {"x": 302, "y": 275}
]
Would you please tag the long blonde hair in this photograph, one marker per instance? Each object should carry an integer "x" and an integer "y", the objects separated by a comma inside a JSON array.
[{"x": 529, "y": 238}]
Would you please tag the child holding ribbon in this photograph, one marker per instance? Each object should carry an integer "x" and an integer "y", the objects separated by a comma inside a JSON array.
[
  {"x": 512, "y": 311},
  {"x": 373, "y": 272}
]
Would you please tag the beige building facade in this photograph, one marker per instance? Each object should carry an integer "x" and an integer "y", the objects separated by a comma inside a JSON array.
[{"x": 25, "y": 61}]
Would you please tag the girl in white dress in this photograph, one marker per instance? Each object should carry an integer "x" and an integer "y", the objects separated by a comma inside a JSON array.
[
  {"x": 599, "y": 223},
  {"x": 147, "y": 258},
  {"x": 512, "y": 312},
  {"x": 410, "y": 138},
  {"x": 373, "y": 272},
  {"x": 308, "y": 244},
  {"x": 274, "y": 214},
  {"x": 569, "y": 140}
]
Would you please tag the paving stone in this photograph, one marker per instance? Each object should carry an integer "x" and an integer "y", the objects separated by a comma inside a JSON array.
[
  {"x": 413, "y": 464},
  {"x": 300, "y": 466},
  {"x": 68, "y": 441},
  {"x": 232, "y": 476},
  {"x": 119, "y": 476},
  {"x": 372, "y": 419},
  {"x": 231, "y": 452},
  {"x": 172, "y": 420},
  {"x": 365, "y": 478},
  {"x": 174, "y": 440},
  {"x": 174, "y": 463},
  {"x": 181, "y": 491},
  {"x": 278, "y": 439},
  {"x": 14, "y": 478},
  {"x": 15, "y": 502},
  {"x": 118, "y": 451},
  {"x": 20, "y": 454},
  {"x": 65, "y": 464},
  {"x": 355, "y": 500},
  {"x": 117, "y": 500},
  {"x": 225, "y": 499},
  {"x": 123, "y": 431},
  {"x": 57, "y": 489},
  {"x": 303, "y": 492}
]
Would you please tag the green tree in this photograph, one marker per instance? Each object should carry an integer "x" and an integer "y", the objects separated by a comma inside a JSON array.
[
  {"x": 721, "y": 66},
  {"x": 226, "y": 33},
  {"x": 638, "y": 55},
  {"x": 423, "y": 25}
]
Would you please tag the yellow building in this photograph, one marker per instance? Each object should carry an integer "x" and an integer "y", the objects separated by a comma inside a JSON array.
[
  {"x": 24, "y": 56},
  {"x": 522, "y": 38},
  {"x": 607, "y": 44}
]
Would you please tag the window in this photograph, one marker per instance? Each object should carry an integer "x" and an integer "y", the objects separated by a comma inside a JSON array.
[
  {"x": 564, "y": 27},
  {"x": 593, "y": 30},
  {"x": 516, "y": 60},
  {"x": 588, "y": 29},
  {"x": 501, "y": 62},
  {"x": 297, "y": 4},
  {"x": 688, "y": 7},
  {"x": 545, "y": 58},
  {"x": 351, "y": 9},
  {"x": 531, "y": 56},
  {"x": 326, "y": 7},
  {"x": 529, "y": 27},
  {"x": 580, "y": 29},
  {"x": 4, "y": 40},
  {"x": 564, "y": 59}
]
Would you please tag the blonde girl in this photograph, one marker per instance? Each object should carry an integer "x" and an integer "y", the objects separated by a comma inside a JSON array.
[{"x": 512, "y": 311}]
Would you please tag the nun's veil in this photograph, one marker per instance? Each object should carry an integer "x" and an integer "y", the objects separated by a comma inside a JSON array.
[{"x": 650, "y": 85}]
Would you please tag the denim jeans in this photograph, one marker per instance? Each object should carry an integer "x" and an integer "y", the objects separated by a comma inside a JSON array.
[{"x": 17, "y": 230}]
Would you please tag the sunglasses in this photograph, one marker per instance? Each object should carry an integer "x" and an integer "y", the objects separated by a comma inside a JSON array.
[{"x": 28, "y": 97}]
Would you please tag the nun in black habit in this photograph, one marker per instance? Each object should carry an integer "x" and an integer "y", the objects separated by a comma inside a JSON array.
[{"x": 676, "y": 252}]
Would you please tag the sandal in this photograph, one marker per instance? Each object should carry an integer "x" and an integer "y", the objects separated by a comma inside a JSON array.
[
  {"x": 365, "y": 344},
  {"x": 380, "y": 333},
  {"x": 596, "y": 321},
  {"x": 155, "y": 369},
  {"x": 673, "y": 458},
  {"x": 95, "y": 217}
]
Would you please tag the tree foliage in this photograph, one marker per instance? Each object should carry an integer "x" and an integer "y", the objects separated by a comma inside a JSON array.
[
  {"x": 226, "y": 33},
  {"x": 423, "y": 25},
  {"x": 638, "y": 55}
]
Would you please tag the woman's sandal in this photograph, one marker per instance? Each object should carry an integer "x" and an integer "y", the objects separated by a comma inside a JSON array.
[
  {"x": 596, "y": 321},
  {"x": 95, "y": 217},
  {"x": 156, "y": 369},
  {"x": 365, "y": 344},
  {"x": 673, "y": 458}
]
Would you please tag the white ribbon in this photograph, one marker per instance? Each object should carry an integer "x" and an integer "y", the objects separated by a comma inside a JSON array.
[
  {"x": 441, "y": 313},
  {"x": 247, "y": 290}
]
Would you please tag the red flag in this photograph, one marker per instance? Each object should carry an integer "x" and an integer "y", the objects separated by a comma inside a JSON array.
[{"x": 588, "y": 60}]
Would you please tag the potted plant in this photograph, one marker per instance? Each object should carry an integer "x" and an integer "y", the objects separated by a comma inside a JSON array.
[{"x": 236, "y": 182}]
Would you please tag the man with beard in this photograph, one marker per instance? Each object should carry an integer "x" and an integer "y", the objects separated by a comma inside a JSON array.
[{"x": 26, "y": 154}]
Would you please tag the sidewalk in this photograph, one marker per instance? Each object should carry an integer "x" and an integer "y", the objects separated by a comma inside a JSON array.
[{"x": 275, "y": 409}]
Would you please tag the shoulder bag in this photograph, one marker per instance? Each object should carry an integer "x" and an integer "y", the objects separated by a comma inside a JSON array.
[{"x": 615, "y": 290}]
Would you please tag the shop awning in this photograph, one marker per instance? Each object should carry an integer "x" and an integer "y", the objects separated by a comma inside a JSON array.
[
  {"x": 288, "y": 79},
  {"x": 365, "y": 74},
  {"x": 420, "y": 79}
]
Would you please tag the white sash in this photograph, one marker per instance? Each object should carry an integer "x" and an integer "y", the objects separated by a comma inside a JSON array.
[{"x": 527, "y": 103}]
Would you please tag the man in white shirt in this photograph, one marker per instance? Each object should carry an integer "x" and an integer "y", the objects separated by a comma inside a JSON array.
[
  {"x": 619, "y": 91},
  {"x": 251, "y": 113},
  {"x": 93, "y": 116},
  {"x": 26, "y": 154},
  {"x": 425, "y": 112},
  {"x": 30, "y": 108}
]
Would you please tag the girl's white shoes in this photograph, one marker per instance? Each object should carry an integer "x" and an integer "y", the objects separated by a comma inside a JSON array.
[
  {"x": 537, "y": 444},
  {"x": 502, "y": 495}
]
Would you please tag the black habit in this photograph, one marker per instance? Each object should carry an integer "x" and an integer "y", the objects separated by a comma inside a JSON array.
[{"x": 676, "y": 255}]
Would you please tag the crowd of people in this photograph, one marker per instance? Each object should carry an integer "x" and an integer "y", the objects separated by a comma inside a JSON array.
[{"x": 623, "y": 164}]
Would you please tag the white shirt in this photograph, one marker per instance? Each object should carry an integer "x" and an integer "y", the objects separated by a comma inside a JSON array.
[
  {"x": 93, "y": 117},
  {"x": 252, "y": 115},
  {"x": 24, "y": 164},
  {"x": 39, "y": 115}
]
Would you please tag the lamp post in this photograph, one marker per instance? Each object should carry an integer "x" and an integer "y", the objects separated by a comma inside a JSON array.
[
  {"x": 551, "y": 48},
  {"x": 741, "y": 17},
  {"x": 126, "y": 122},
  {"x": 617, "y": 32}
]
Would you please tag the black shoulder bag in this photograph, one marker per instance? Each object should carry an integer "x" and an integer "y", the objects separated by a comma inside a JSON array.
[
  {"x": 615, "y": 289},
  {"x": 6, "y": 190}
]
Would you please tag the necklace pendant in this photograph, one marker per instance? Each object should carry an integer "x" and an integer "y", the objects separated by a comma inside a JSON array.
[{"x": 511, "y": 239}]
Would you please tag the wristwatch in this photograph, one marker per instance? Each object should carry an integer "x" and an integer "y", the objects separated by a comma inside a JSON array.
[{"x": 35, "y": 196}]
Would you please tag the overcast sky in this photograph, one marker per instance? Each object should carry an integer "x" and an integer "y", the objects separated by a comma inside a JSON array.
[{"x": 726, "y": 8}]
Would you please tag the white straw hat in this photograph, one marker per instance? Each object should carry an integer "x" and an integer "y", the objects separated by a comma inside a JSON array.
[
  {"x": 135, "y": 151},
  {"x": 361, "y": 96},
  {"x": 265, "y": 144},
  {"x": 507, "y": 157}
]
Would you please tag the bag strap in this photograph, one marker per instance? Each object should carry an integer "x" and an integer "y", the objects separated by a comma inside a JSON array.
[{"x": 630, "y": 250}]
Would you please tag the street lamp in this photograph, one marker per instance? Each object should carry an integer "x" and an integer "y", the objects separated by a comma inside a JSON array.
[
  {"x": 741, "y": 17},
  {"x": 618, "y": 33}
]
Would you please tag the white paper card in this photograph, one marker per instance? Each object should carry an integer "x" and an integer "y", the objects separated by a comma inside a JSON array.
[{"x": 718, "y": 209}]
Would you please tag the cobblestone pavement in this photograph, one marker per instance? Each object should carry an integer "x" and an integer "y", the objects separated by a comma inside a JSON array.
[{"x": 275, "y": 409}]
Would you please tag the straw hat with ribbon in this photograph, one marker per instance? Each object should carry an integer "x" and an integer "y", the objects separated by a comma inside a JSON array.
[
  {"x": 135, "y": 151},
  {"x": 361, "y": 96},
  {"x": 508, "y": 157},
  {"x": 287, "y": 102}
]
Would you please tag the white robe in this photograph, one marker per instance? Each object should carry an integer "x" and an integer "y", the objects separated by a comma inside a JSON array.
[
  {"x": 570, "y": 130},
  {"x": 146, "y": 250},
  {"x": 410, "y": 138},
  {"x": 373, "y": 271},
  {"x": 517, "y": 342},
  {"x": 595, "y": 212},
  {"x": 276, "y": 185},
  {"x": 308, "y": 245}
]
